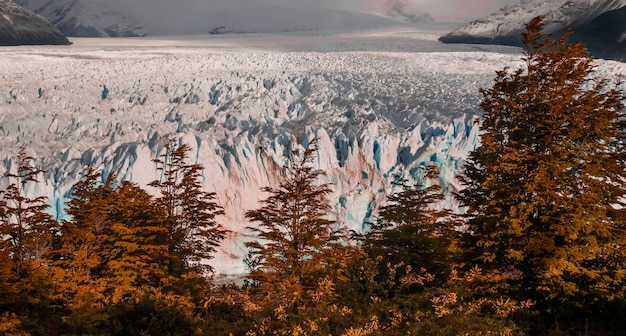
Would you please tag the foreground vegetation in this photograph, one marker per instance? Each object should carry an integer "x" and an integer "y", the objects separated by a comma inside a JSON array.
[{"x": 539, "y": 250}]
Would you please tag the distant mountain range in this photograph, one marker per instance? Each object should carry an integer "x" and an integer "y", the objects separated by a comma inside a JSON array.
[
  {"x": 19, "y": 26},
  {"x": 86, "y": 18},
  {"x": 100, "y": 18},
  {"x": 599, "y": 24}
]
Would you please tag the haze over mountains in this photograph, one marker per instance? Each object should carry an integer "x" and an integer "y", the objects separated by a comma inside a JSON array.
[
  {"x": 99, "y": 18},
  {"x": 599, "y": 24}
]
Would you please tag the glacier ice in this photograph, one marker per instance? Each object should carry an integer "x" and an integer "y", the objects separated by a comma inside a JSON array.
[{"x": 376, "y": 114}]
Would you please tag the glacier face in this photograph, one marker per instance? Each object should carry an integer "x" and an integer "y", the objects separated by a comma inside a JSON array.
[{"x": 111, "y": 104}]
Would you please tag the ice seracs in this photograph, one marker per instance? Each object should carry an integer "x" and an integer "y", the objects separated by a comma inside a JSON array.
[
  {"x": 111, "y": 104},
  {"x": 376, "y": 115}
]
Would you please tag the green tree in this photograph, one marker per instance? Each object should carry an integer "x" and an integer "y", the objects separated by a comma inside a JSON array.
[
  {"x": 193, "y": 233},
  {"x": 544, "y": 191}
]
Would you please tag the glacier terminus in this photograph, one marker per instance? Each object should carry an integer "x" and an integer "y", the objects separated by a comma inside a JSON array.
[{"x": 381, "y": 102}]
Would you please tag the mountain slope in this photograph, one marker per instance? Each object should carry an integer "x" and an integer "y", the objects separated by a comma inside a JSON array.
[
  {"x": 599, "y": 24},
  {"x": 605, "y": 35},
  {"x": 597, "y": 8},
  {"x": 85, "y": 18},
  {"x": 506, "y": 25},
  {"x": 19, "y": 26},
  {"x": 97, "y": 18}
]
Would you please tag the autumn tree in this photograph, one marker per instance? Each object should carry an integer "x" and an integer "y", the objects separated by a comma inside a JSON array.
[
  {"x": 80, "y": 257},
  {"x": 413, "y": 229},
  {"x": 409, "y": 254},
  {"x": 544, "y": 191},
  {"x": 27, "y": 229},
  {"x": 135, "y": 247},
  {"x": 26, "y": 238},
  {"x": 292, "y": 258},
  {"x": 112, "y": 263},
  {"x": 294, "y": 228},
  {"x": 86, "y": 230},
  {"x": 193, "y": 232},
  {"x": 113, "y": 244}
]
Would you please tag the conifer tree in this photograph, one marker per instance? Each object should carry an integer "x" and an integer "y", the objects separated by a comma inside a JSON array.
[
  {"x": 411, "y": 230},
  {"x": 292, "y": 262},
  {"x": 193, "y": 233},
  {"x": 80, "y": 257},
  {"x": 27, "y": 232},
  {"x": 26, "y": 229},
  {"x": 294, "y": 228},
  {"x": 544, "y": 191}
]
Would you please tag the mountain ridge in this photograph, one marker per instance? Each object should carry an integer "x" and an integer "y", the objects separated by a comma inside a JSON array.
[
  {"x": 83, "y": 18},
  {"x": 582, "y": 17},
  {"x": 19, "y": 26}
]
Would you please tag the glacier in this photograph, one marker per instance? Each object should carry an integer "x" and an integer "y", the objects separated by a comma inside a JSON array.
[{"x": 382, "y": 103}]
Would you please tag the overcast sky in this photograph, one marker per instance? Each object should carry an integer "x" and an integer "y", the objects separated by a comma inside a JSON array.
[{"x": 448, "y": 10}]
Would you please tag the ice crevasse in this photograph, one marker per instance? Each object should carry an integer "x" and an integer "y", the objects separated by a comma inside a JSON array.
[{"x": 375, "y": 116}]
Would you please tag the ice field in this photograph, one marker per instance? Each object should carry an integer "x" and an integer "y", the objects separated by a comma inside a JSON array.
[{"x": 382, "y": 102}]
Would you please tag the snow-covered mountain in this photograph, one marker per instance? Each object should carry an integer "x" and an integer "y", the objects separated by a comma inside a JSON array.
[
  {"x": 86, "y": 18},
  {"x": 588, "y": 19},
  {"x": 597, "y": 8},
  {"x": 19, "y": 26},
  {"x": 506, "y": 25}
]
